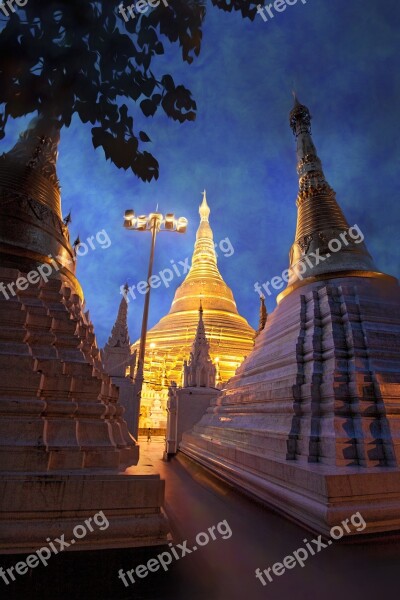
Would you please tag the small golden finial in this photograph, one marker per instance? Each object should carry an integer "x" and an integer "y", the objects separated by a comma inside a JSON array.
[{"x": 204, "y": 209}]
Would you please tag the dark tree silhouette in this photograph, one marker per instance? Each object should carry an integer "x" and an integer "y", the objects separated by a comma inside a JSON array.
[{"x": 64, "y": 57}]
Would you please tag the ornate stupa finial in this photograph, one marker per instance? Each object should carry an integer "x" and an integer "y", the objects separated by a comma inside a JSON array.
[
  {"x": 204, "y": 209},
  {"x": 116, "y": 355},
  {"x": 320, "y": 218},
  {"x": 295, "y": 98},
  {"x": 68, "y": 219},
  {"x": 300, "y": 118},
  {"x": 263, "y": 316},
  {"x": 200, "y": 341},
  {"x": 199, "y": 371},
  {"x": 119, "y": 337}
]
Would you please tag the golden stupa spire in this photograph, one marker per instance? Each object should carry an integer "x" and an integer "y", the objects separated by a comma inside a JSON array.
[
  {"x": 204, "y": 276},
  {"x": 320, "y": 218}
]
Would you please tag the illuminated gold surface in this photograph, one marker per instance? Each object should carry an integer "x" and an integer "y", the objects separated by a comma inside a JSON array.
[
  {"x": 30, "y": 206},
  {"x": 169, "y": 342},
  {"x": 338, "y": 274}
]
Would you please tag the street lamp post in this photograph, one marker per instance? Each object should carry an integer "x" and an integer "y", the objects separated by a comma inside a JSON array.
[{"x": 155, "y": 223}]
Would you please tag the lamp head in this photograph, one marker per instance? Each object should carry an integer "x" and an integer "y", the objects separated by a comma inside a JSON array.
[
  {"x": 129, "y": 218},
  {"x": 169, "y": 221},
  {"x": 181, "y": 225}
]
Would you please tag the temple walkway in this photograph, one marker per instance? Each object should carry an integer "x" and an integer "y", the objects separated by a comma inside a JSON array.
[{"x": 224, "y": 569}]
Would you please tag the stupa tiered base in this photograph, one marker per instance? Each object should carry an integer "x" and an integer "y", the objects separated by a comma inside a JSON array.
[
  {"x": 64, "y": 445},
  {"x": 37, "y": 507},
  {"x": 310, "y": 424}
]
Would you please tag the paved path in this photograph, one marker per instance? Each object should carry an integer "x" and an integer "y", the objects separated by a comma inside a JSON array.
[
  {"x": 225, "y": 569},
  {"x": 222, "y": 569}
]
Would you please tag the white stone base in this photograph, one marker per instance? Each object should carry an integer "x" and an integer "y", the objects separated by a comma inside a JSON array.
[{"x": 315, "y": 496}]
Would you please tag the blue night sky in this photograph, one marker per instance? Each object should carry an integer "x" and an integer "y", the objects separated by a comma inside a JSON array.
[{"x": 343, "y": 59}]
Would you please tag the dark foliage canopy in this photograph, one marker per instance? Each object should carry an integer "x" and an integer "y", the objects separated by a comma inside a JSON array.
[{"x": 66, "y": 57}]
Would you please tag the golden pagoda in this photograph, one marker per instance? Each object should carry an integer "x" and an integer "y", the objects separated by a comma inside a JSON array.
[{"x": 169, "y": 342}]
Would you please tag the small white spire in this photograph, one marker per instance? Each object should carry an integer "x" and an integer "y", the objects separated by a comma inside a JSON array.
[{"x": 199, "y": 370}]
